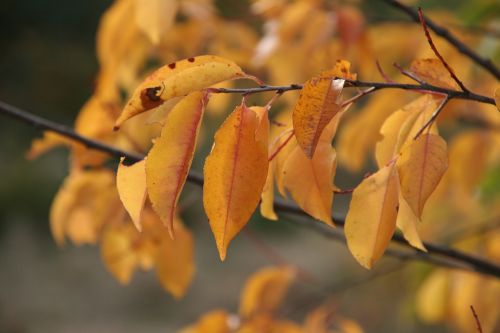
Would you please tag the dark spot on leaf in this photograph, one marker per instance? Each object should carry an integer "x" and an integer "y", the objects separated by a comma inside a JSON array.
[
  {"x": 191, "y": 59},
  {"x": 397, "y": 209},
  {"x": 150, "y": 98},
  {"x": 172, "y": 65}
]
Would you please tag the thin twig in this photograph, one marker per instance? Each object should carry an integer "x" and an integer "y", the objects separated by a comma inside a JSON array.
[
  {"x": 432, "y": 117},
  {"x": 436, "y": 52},
  {"x": 436, "y": 253},
  {"x": 476, "y": 318},
  {"x": 485, "y": 63}
]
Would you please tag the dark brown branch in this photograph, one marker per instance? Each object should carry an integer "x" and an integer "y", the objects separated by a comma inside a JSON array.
[
  {"x": 436, "y": 253},
  {"x": 453, "y": 94},
  {"x": 485, "y": 63}
]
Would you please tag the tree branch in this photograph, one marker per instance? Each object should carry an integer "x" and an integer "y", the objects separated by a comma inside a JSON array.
[
  {"x": 485, "y": 63},
  {"x": 436, "y": 253},
  {"x": 452, "y": 94}
]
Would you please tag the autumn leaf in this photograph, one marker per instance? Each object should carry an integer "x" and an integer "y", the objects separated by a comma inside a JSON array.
[
  {"x": 131, "y": 185},
  {"x": 170, "y": 158},
  {"x": 235, "y": 173},
  {"x": 421, "y": 166},
  {"x": 155, "y": 17},
  {"x": 216, "y": 321},
  {"x": 179, "y": 79},
  {"x": 318, "y": 103},
  {"x": 265, "y": 290},
  {"x": 371, "y": 219},
  {"x": 174, "y": 261},
  {"x": 310, "y": 181},
  {"x": 432, "y": 297},
  {"x": 408, "y": 223},
  {"x": 432, "y": 71}
]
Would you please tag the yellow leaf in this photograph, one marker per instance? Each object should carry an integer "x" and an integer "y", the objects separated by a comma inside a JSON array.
[
  {"x": 371, "y": 219},
  {"x": 155, "y": 17},
  {"x": 170, "y": 158},
  {"x": 432, "y": 297},
  {"x": 310, "y": 181},
  {"x": 264, "y": 291},
  {"x": 175, "y": 266},
  {"x": 497, "y": 97},
  {"x": 86, "y": 201},
  {"x": 433, "y": 72},
  {"x": 408, "y": 223},
  {"x": 216, "y": 321},
  {"x": 131, "y": 185},
  {"x": 267, "y": 198},
  {"x": 235, "y": 173},
  {"x": 401, "y": 126},
  {"x": 421, "y": 166},
  {"x": 318, "y": 103},
  {"x": 179, "y": 79}
]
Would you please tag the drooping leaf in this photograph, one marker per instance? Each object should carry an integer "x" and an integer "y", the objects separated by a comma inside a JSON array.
[
  {"x": 155, "y": 17},
  {"x": 169, "y": 160},
  {"x": 408, "y": 223},
  {"x": 265, "y": 290},
  {"x": 131, "y": 185},
  {"x": 310, "y": 181},
  {"x": 235, "y": 173},
  {"x": 318, "y": 103},
  {"x": 421, "y": 166},
  {"x": 86, "y": 201},
  {"x": 175, "y": 266},
  {"x": 179, "y": 79},
  {"x": 371, "y": 219}
]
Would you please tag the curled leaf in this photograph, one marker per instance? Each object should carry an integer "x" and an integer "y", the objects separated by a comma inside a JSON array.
[
  {"x": 170, "y": 158},
  {"x": 179, "y": 79}
]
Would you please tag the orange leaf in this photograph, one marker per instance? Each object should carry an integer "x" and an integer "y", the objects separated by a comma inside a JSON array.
[
  {"x": 318, "y": 103},
  {"x": 264, "y": 291},
  {"x": 433, "y": 72},
  {"x": 175, "y": 261},
  {"x": 421, "y": 165},
  {"x": 408, "y": 223},
  {"x": 371, "y": 219},
  {"x": 235, "y": 173},
  {"x": 131, "y": 185},
  {"x": 178, "y": 79},
  {"x": 310, "y": 181},
  {"x": 169, "y": 160}
]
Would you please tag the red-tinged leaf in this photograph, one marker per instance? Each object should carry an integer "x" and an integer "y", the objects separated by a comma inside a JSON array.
[
  {"x": 235, "y": 173},
  {"x": 169, "y": 160}
]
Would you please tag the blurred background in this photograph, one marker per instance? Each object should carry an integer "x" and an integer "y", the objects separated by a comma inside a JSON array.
[{"x": 48, "y": 67}]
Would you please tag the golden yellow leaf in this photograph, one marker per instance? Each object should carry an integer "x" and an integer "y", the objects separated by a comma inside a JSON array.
[
  {"x": 318, "y": 103},
  {"x": 432, "y": 297},
  {"x": 497, "y": 97},
  {"x": 264, "y": 291},
  {"x": 371, "y": 219},
  {"x": 86, "y": 201},
  {"x": 169, "y": 160},
  {"x": 175, "y": 266},
  {"x": 216, "y": 321},
  {"x": 267, "y": 198},
  {"x": 401, "y": 126},
  {"x": 310, "y": 181},
  {"x": 408, "y": 223},
  {"x": 421, "y": 166},
  {"x": 179, "y": 79},
  {"x": 433, "y": 72},
  {"x": 131, "y": 185},
  {"x": 155, "y": 17},
  {"x": 235, "y": 173}
]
